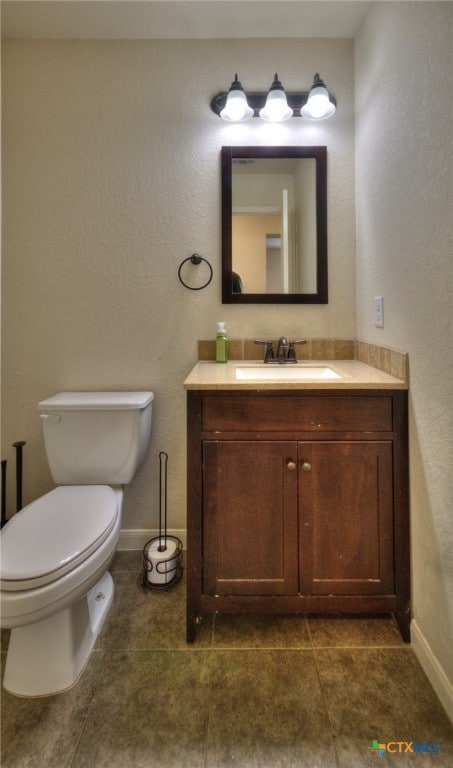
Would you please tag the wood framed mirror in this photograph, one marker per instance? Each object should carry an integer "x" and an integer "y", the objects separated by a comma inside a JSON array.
[{"x": 274, "y": 225}]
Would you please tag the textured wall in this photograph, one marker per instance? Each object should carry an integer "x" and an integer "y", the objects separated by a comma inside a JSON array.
[
  {"x": 111, "y": 174},
  {"x": 404, "y": 252}
]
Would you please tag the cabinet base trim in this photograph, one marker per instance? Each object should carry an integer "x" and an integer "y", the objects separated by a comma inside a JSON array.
[{"x": 299, "y": 603}]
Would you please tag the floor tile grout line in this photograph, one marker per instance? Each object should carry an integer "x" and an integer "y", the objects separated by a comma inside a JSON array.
[
  {"x": 366, "y": 647},
  {"x": 329, "y": 720},
  {"x": 98, "y": 679},
  {"x": 307, "y": 624},
  {"x": 208, "y": 714},
  {"x": 227, "y": 647}
]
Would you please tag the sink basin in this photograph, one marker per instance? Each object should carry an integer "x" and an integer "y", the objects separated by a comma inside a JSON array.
[{"x": 286, "y": 373}]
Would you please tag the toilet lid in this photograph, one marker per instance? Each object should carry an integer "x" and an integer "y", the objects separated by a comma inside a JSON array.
[
  {"x": 55, "y": 533},
  {"x": 97, "y": 401}
]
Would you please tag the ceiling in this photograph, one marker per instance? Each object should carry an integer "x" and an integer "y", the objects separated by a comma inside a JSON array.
[{"x": 146, "y": 19}]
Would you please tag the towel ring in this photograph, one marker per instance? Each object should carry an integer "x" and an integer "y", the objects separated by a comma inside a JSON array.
[{"x": 195, "y": 259}]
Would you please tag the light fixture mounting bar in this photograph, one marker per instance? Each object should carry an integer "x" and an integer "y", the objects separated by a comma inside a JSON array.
[{"x": 257, "y": 100}]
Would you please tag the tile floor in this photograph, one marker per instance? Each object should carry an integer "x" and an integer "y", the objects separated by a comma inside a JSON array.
[{"x": 252, "y": 692}]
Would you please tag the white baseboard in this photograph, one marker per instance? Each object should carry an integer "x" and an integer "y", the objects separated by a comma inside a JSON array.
[
  {"x": 432, "y": 669},
  {"x": 137, "y": 538}
]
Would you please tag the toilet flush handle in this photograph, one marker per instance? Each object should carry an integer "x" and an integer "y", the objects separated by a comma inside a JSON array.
[{"x": 53, "y": 417}]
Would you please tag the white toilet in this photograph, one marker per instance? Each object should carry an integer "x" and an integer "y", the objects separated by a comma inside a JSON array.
[{"x": 55, "y": 587}]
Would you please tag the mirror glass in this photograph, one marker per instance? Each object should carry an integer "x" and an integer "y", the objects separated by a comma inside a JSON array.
[{"x": 274, "y": 225}]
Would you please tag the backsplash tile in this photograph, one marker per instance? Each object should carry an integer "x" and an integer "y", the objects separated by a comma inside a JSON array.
[
  {"x": 313, "y": 349},
  {"x": 343, "y": 349},
  {"x": 399, "y": 364},
  {"x": 385, "y": 359},
  {"x": 252, "y": 351},
  {"x": 322, "y": 349}
]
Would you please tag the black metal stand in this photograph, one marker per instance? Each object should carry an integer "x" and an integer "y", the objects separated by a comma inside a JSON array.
[
  {"x": 18, "y": 445},
  {"x": 162, "y": 572},
  {"x": 19, "y": 466},
  {"x": 3, "y": 520}
]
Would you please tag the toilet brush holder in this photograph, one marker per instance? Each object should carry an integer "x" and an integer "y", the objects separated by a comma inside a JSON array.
[{"x": 162, "y": 555}]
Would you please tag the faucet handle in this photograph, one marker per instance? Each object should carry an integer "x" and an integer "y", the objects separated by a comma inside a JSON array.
[
  {"x": 269, "y": 350},
  {"x": 292, "y": 351}
]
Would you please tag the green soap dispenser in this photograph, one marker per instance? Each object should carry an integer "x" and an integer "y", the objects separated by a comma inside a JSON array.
[{"x": 221, "y": 344}]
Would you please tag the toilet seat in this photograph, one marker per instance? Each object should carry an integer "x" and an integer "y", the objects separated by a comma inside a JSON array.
[{"x": 54, "y": 534}]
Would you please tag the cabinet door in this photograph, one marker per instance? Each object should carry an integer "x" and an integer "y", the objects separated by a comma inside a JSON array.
[
  {"x": 250, "y": 517},
  {"x": 346, "y": 518}
]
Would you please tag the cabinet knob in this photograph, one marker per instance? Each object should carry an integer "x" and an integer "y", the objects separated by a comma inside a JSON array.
[
  {"x": 306, "y": 466},
  {"x": 291, "y": 465}
]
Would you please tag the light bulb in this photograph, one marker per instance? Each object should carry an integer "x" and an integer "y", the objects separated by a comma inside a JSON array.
[
  {"x": 236, "y": 109},
  {"x": 276, "y": 108},
  {"x": 318, "y": 106}
]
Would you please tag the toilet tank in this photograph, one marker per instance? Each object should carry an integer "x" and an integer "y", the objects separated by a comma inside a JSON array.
[{"x": 96, "y": 438}]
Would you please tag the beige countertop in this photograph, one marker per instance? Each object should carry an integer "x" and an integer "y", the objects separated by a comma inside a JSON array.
[{"x": 353, "y": 375}]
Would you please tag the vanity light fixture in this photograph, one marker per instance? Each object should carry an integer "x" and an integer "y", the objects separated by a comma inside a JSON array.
[{"x": 236, "y": 106}]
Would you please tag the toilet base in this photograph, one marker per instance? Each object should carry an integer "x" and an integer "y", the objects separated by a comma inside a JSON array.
[{"x": 47, "y": 657}]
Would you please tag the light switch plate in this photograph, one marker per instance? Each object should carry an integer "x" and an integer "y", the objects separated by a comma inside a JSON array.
[{"x": 379, "y": 311}]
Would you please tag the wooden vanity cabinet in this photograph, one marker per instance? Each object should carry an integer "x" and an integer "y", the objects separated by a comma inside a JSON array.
[{"x": 297, "y": 502}]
